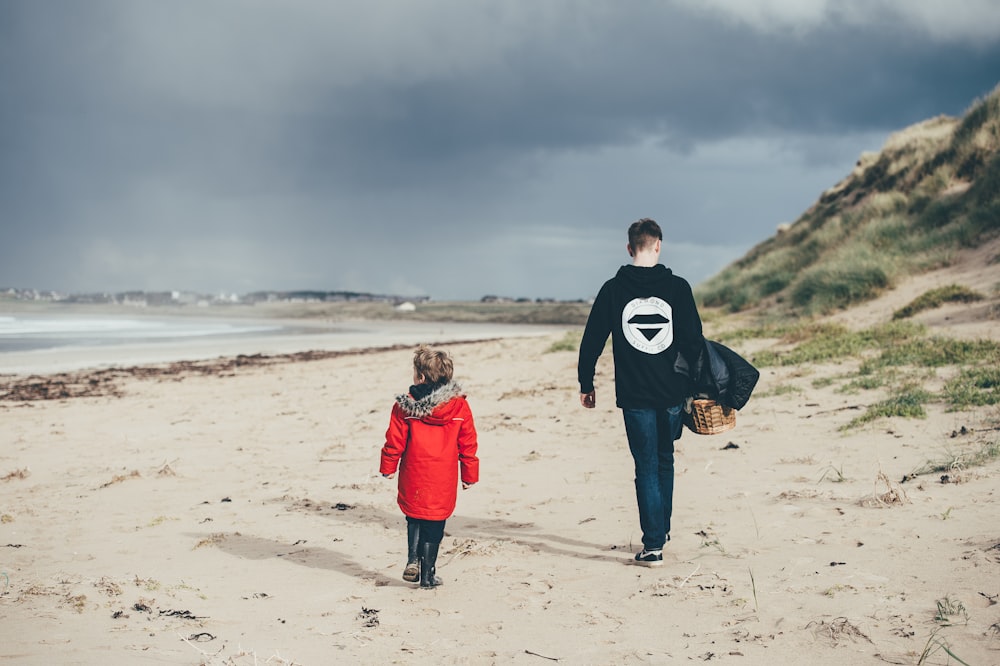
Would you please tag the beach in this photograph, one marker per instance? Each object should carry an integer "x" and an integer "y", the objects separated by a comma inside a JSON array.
[{"x": 226, "y": 512}]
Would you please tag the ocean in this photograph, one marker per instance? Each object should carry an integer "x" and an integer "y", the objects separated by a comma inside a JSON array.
[
  {"x": 49, "y": 343},
  {"x": 21, "y": 334}
]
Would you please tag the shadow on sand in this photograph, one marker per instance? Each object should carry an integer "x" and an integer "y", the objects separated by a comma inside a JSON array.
[{"x": 485, "y": 529}]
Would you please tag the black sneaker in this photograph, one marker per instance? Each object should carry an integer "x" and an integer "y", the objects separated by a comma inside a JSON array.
[{"x": 650, "y": 558}]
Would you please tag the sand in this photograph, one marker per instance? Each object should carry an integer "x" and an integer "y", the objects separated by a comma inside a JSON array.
[{"x": 236, "y": 516}]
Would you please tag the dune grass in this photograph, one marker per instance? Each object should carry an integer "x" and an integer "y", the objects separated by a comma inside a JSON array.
[
  {"x": 907, "y": 402},
  {"x": 569, "y": 342},
  {"x": 934, "y": 644},
  {"x": 852, "y": 278},
  {"x": 820, "y": 342},
  {"x": 898, "y": 357},
  {"x": 779, "y": 389},
  {"x": 934, "y": 352},
  {"x": 948, "y": 609},
  {"x": 973, "y": 387},
  {"x": 951, "y": 462},
  {"x": 868, "y": 382},
  {"x": 952, "y": 293}
]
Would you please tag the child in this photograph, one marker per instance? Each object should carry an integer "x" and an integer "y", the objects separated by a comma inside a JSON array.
[{"x": 430, "y": 435}]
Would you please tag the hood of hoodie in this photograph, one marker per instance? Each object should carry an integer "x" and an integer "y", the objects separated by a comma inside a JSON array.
[
  {"x": 432, "y": 408},
  {"x": 642, "y": 277}
]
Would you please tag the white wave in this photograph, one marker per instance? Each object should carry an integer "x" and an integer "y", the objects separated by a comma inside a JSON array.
[{"x": 119, "y": 329}]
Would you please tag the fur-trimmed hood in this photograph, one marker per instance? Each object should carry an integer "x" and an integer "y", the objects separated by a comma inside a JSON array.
[{"x": 425, "y": 407}]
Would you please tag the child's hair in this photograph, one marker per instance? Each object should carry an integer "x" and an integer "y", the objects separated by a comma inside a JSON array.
[{"x": 435, "y": 365}]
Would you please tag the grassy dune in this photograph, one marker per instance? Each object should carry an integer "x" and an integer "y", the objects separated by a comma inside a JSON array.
[{"x": 930, "y": 193}]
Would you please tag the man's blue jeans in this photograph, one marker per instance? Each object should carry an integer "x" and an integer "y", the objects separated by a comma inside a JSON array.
[{"x": 651, "y": 434}]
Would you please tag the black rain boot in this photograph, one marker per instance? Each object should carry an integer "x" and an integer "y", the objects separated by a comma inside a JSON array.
[
  {"x": 428, "y": 565},
  {"x": 411, "y": 573}
]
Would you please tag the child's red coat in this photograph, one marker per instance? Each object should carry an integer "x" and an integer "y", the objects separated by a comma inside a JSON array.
[{"x": 429, "y": 441}]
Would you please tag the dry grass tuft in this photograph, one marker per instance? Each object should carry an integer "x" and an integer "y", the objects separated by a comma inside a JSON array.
[
  {"x": 893, "y": 495},
  {"x": 119, "y": 478},
  {"x": 38, "y": 590},
  {"x": 837, "y": 630},
  {"x": 212, "y": 540},
  {"x": 77, "y": 602},
  {"x": 16, "y": 474},
  {"x": 948, "y": 609},
  {"x": 108, "y": 587},
  {"x": 799, "y": 494}
]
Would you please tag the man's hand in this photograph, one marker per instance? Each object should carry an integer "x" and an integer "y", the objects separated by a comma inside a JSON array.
[{"x": 588, "y": 400}]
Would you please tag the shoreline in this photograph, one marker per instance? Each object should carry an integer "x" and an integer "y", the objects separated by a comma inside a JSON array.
[
  {"x": 293, "y": 337},
  {"x": 93, "y": 382}
]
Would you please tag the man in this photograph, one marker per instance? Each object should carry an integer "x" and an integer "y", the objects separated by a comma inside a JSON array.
[{"x": 652, "y": 317}]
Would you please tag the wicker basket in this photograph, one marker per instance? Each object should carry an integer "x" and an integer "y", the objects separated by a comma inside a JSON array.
[{"x": 707, "y": 417}]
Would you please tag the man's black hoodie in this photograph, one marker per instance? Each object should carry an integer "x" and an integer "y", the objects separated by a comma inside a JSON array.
[{"x": 651, "y": 316}]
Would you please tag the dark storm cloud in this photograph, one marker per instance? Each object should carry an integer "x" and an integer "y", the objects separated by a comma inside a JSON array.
[
  {"x": 259, "y": 144},
  {"x": 675, "y": 75}
]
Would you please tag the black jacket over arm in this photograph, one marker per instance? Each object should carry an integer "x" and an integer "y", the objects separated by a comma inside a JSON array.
[{"x": 720, "y": 373}]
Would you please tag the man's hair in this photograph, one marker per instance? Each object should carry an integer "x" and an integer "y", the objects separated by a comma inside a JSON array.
[
  {"x": 643, "y": 233},
  {"x": 435, "y": 365}
]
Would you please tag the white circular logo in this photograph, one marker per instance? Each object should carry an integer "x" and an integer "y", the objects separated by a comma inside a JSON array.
[{"x": 648, "y": 324}]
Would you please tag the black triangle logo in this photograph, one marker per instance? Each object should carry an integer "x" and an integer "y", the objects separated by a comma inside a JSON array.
[{"x": 650, "y": 333}]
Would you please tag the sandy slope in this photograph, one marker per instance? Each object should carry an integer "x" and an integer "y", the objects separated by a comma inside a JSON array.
[
  {"x": 976, "y": 269},
  {"x": 238, "y": 518}
]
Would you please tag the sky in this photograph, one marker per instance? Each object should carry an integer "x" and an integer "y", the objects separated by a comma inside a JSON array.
[{"x": 444, "y": 148}]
